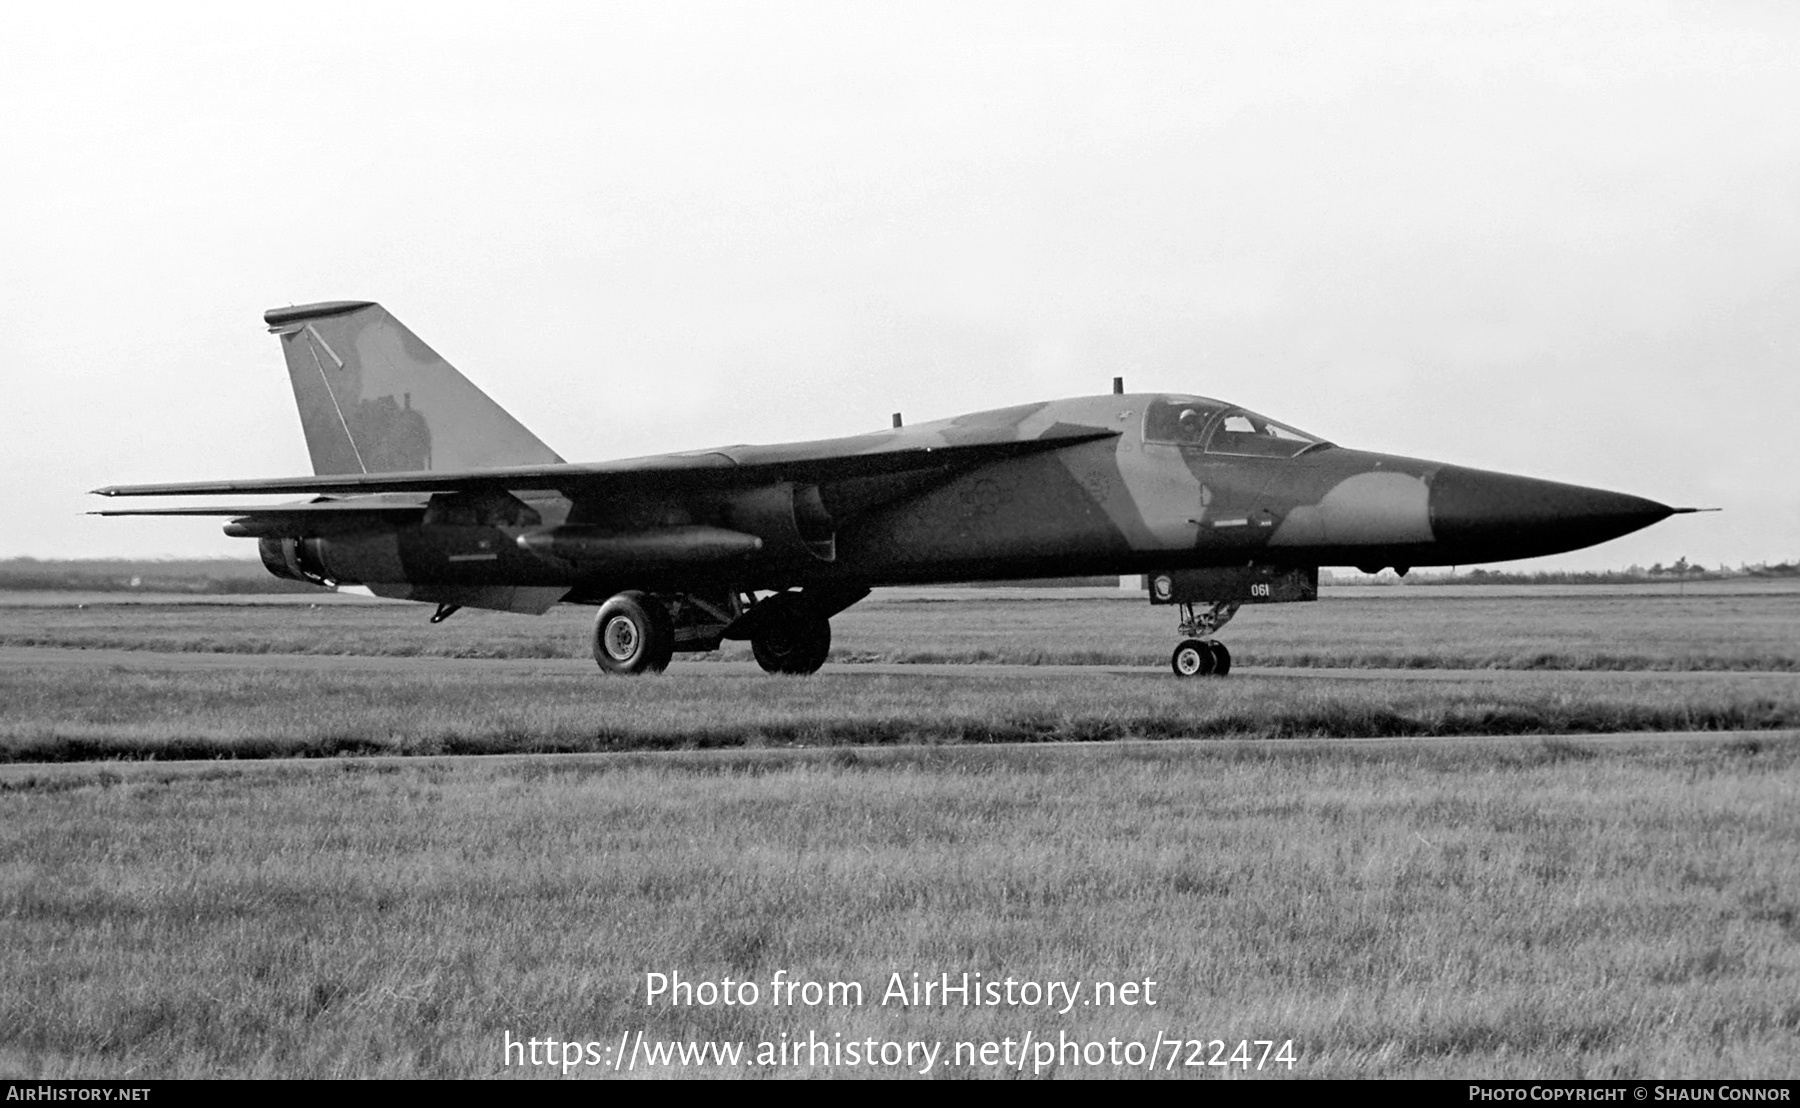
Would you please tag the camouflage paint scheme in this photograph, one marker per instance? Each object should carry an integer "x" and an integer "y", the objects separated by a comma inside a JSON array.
[{"x": 425, "y": 489}]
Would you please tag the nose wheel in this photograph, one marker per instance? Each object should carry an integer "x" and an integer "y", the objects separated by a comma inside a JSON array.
[
  {"x": 1194, "y": 658},
  {"x": 1203, "y": 657}
]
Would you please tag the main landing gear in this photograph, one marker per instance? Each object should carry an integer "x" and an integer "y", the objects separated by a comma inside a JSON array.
[
  {"x": 798, "y": 646},
  {"x": 1199, "y": 655},
  {"x": 634, "y": 634},
  {"x": 789, "y": 632}
]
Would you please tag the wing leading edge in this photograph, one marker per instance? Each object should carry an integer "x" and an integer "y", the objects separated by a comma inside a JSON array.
[{"x": 827, "y": 460}]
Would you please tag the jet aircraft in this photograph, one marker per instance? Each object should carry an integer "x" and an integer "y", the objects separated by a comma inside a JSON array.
[{"x": 425, "y": 489}]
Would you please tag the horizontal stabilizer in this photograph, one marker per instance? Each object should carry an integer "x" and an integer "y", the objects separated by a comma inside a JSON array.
[
  {"x": 313, "y": 517},
  {"x": 531, "y": 601},
  {"x": 382, "y": 505}
]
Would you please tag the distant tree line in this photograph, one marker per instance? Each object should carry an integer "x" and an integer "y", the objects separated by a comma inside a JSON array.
[
  {"x": 221, "y": 576},
  {"x": 1680, "y": 570}
]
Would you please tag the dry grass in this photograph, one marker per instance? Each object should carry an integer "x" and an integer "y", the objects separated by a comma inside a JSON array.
[
  {"x": 1473, "y": 909},
  {"x": 251, "y": 711}
]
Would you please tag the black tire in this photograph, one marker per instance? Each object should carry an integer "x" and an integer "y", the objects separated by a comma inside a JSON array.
[
  {"x": 796, "y": 645},
  {"x": 1221, "y": 659},
  {"x": 633, "y": 634},
  {"x": 1192, "y": 658}
]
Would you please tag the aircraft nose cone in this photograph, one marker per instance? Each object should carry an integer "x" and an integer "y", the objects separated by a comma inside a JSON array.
[{"x": 1477, "y": 516}]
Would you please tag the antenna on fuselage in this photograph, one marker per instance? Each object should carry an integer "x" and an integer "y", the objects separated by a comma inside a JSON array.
[
  {"x": 896, "y": 421},
  {"x": 1118, "y": 386}
]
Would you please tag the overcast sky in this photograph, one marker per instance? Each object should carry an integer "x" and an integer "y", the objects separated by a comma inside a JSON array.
[{"x": 1557, "y": 240}]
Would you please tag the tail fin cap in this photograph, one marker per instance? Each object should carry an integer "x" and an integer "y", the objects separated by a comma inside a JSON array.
[{"x": 278, "y": 318}]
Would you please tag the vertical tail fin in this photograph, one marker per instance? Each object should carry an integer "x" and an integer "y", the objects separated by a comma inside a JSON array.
[{"x": 375, "y": 399}]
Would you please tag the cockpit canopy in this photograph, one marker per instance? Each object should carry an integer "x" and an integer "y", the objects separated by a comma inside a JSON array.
[{"x": 1218, "y": 428}]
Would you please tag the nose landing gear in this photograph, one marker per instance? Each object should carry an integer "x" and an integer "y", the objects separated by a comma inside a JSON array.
[
  {"x": 1194, "y": 658},
  {"x": 1198, "y": 591},
  {"x": 1199, "y": 655}
]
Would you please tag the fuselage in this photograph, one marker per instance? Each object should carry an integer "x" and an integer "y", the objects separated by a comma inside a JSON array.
[
  {"x": 1166, "y": 481},
  {"x": 1158, "y": 496}
]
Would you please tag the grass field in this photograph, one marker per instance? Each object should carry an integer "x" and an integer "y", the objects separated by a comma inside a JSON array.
[
  {"x": 75, "y": 713},
  {"x": 1713, "y": 626},
  {"x": 1481, "y": 908},
  {"x": 499, "y": 683},
  {"x": 1507, "y": 907}
]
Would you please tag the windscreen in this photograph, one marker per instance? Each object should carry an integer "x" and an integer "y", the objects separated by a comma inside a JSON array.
[
  {"x": 1246, "y": 433},
  {"x": 1219, "y": 428}
]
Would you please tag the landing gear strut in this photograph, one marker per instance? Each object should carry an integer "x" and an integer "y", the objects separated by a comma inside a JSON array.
[{"x": 1200, "y": 655}]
